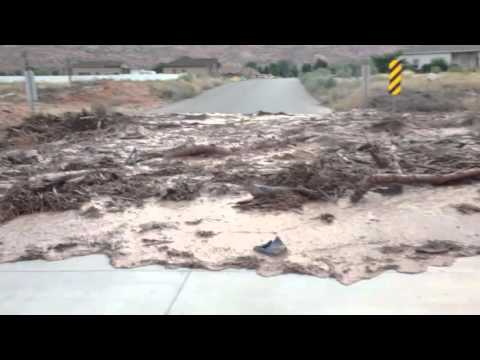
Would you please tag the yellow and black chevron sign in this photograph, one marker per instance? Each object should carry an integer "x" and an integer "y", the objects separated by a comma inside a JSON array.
[{"x": 395, "y": 77}]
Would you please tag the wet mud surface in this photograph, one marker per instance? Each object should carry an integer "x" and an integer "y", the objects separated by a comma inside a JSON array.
[{"x": 203, "y": 191}]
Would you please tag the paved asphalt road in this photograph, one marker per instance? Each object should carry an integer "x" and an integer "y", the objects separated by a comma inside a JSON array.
[{"x": 272, "y": 95}]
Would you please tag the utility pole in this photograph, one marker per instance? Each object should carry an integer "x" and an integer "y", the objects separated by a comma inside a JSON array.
[
  {"x": 30, "y": 86},
  {"x": 69, "y": 71}
]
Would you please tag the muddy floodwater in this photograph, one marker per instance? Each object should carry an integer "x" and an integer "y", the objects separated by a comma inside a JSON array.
[
  {"x": 203, "y": 190},
  {"x": 360, "y": 243}
]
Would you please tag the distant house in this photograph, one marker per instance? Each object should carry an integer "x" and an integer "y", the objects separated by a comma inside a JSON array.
[
  {"x": 465, "y": 56},
  {"x": 233, "y": 71},
  {"x": 99, "y": 68},
  {"x": 193, "y": 66}
]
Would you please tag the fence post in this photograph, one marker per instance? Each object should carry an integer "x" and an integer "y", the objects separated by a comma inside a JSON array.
[
  {"x": 31, "y": 89},
  {"x": 366, "y": 80}
]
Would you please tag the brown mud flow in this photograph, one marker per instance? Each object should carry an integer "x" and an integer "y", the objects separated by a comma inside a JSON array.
[{"x": 203, "y": 191}]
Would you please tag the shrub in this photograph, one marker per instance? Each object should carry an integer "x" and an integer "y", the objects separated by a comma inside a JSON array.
[
  {"x": 99, "y": 110},
  {"x": 346, "y": 70},
  {"x": 41, "y": 72},
  {"x": 382, "y": 61},
  {"x": 427, "y": 68},
  {"x": 320, "y": 64},
  {"x": 188, "y": 77},
  {"x": 306, "y": 68},
  {"x": 439, "y": 63},
  {"x": 317, "y": 80},
  {"x": 159, "y": 68},
  {"x": 455, "y": 68}
]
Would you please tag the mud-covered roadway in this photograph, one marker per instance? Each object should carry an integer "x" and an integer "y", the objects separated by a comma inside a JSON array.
[{"x": 201, "y": 190}]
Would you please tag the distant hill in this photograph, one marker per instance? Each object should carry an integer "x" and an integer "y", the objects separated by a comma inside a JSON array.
[{"x": 146, "y": 56}]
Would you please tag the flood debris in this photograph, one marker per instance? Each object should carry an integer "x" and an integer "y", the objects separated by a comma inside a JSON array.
[
  {"x": 194, "y": 222},
  {"x": 156, "y": 225},
  {"x": 196, "y": 150},
  {"x": 413, "y": 179},
  {"x": 155, "y": 242},
  {"x": 205, "y": 234},
  {"x": 279, "y": 167},
  {"x": 266, "y": 113},
  {"x": 21, "y": 157},
  {"x": 438, "y": 247},
  {"x": 467, "y": 209},
  {"x": 196, "y": 117},
  {"x": 44, "y": 128},
  {"x": 92, "y": 212},
  {"x": 326, "y": 218}
]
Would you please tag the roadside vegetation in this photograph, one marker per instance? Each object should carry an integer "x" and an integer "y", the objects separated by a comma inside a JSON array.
[
  {"x": 186, "y": 87},
  {"x": 117, "y": 96},
  {"x": 434, "y": 87}
]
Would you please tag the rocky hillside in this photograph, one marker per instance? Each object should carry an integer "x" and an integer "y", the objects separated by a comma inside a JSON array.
[{"x": 145, "y": 56}]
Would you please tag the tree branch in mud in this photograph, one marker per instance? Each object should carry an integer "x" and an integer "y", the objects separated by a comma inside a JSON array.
[
  {"x": 413, "y": 179},
  {"x": 196, "y": 150}
]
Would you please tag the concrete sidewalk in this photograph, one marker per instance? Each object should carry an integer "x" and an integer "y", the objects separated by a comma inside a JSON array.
[{"x": 89, "y": 285}]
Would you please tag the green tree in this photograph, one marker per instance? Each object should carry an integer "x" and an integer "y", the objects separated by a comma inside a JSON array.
[
  {"x": 273, "y": 69},
  {"x": 41, "y": 72},
  {"x": 439, "y": 63},
  {"x": 320, "y": 64},
  {"x": 306, "y": 68},
  {"x": 426, "y": 68},
  {"x": 284, "y": 68},
  {"x": 253, "y": 65},
  {"x": 294, "y": 71},
  {"x": 159, "y": 68},
  {"x": 381, "y": 61}
]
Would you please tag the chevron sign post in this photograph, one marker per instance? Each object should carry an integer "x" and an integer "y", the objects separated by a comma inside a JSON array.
[
  {"x": 395, "y": 81},
  {"x": 395, "y": 77}
]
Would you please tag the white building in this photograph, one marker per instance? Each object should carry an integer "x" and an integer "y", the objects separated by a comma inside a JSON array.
[{"x": 466, "y": 56}]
